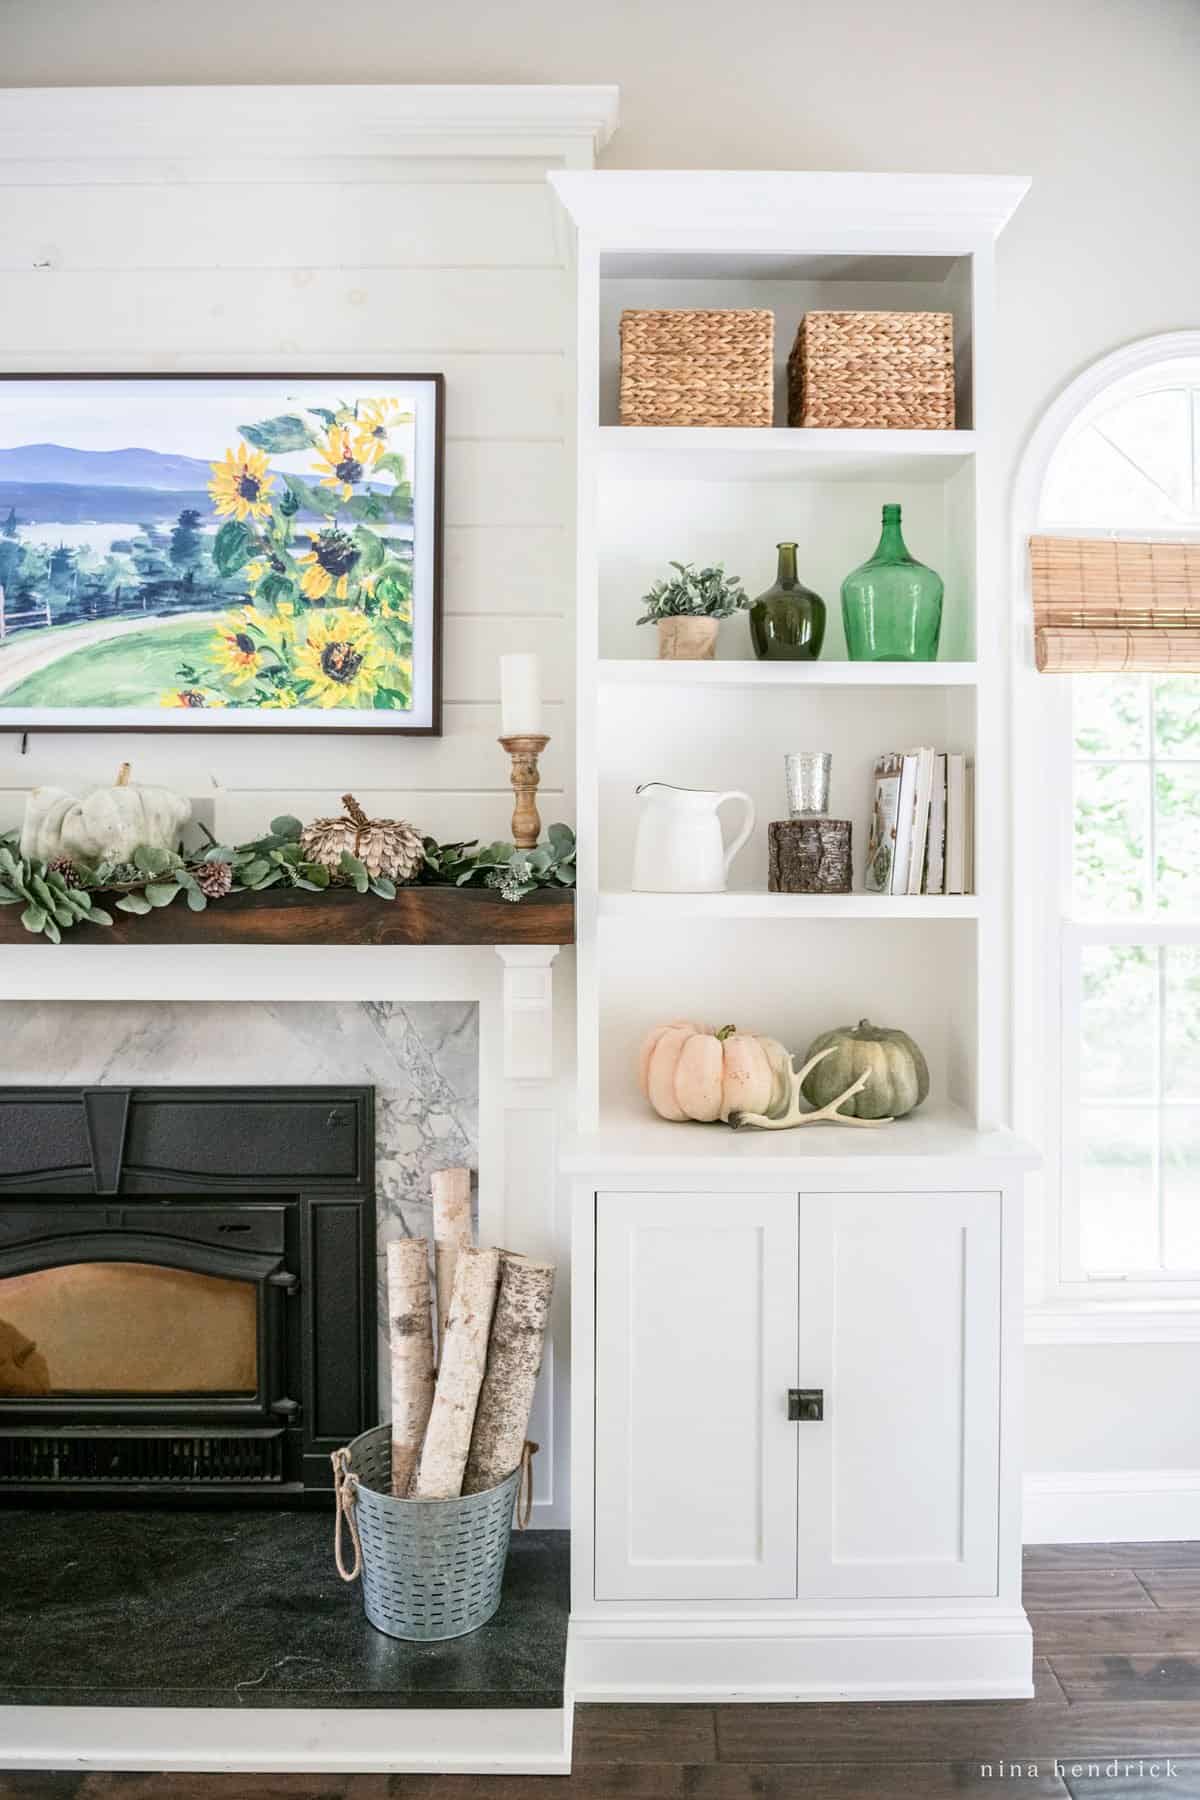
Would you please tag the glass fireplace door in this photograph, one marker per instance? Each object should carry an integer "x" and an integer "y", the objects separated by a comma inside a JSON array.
[{"x": 128, "y": 1330}]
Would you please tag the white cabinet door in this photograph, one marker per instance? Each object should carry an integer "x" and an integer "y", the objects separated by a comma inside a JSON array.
[
  {"x": 695, "y": 1353},
  {"x": 900, "y": 1325}
]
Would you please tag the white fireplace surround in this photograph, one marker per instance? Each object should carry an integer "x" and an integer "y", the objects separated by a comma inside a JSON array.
[
  {"x": 521, "y": 1020},
  {"x": 514, "y": 990}
]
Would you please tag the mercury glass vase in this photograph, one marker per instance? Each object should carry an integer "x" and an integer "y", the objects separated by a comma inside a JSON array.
[
  {"x": 892, "y": 605},
  {"x": 787, "y": 623}
]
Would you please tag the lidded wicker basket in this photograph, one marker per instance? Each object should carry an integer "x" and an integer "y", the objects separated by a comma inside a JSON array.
[
  {"x": 697, "y": 366},
  {"x": 889, "y": 370}
]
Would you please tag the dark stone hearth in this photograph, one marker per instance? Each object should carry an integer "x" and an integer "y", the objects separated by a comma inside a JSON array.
[{"x": 239, "y": 1608}]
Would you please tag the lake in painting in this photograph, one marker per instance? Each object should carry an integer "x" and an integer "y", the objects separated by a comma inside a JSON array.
[{"x": 220, "y": 553}]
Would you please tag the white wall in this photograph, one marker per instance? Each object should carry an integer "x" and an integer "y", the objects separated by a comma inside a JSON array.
[
  {"x": 401, "y": 264},
  {"x": 1093, "y": 98}
]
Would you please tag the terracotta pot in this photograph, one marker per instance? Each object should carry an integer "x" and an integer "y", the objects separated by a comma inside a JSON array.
[{"x": 687, "y": 639}]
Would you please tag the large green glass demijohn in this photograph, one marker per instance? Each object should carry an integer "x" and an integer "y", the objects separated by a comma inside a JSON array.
[
  {"x": 787, "y": 622},
  {"x": 892, "y": 605}
]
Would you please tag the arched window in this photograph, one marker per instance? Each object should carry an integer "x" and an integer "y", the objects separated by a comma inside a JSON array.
[{"x": 1119, "y": 453}]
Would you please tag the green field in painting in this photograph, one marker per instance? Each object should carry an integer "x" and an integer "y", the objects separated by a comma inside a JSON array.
[{"x": 134, "y": 669}]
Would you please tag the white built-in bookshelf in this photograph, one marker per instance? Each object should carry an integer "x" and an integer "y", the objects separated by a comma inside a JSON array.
[{"x": 789, "y": 965}]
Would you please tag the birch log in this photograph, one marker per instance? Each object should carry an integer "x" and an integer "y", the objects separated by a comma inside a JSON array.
[
  {"x": 451, "y": 1230},
  {"x": 460, "y": 1375},
  {"x": 514, "y": 1359},
  {"x": 410, "y": 1325}
]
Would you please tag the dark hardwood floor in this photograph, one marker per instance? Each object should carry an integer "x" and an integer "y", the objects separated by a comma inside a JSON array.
[{"x": 1117, "y": 1642}]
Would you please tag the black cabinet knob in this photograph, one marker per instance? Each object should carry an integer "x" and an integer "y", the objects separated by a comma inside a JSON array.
[{"x": 806, "y": 1405}]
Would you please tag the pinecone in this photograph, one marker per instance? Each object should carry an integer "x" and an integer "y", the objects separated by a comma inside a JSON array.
[
  {"x": 384, "y": 846},
  {"x": 214, "y": 879},
  {"x": 62, "y": 865}
]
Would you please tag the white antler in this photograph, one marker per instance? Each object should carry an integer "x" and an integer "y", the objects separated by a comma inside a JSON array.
[{"x": 793, "y": 1116}]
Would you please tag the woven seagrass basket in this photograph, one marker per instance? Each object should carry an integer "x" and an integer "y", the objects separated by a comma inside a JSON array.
[
  {"x": 892, "y": 370},
  {"x": 698, "y": 366}
]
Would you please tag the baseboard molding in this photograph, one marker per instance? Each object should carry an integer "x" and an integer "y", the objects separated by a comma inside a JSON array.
[
  {"x": 966, "y": 1658},
  {"x": 274, "y": 1740},
  {"x": 1104, "y": 1506}
]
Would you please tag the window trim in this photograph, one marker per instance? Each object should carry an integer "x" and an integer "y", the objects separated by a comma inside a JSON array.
[{"x": 1058, "y": 1311}]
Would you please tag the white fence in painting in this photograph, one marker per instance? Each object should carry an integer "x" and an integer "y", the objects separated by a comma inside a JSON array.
[{"x": 38, "y": 614}]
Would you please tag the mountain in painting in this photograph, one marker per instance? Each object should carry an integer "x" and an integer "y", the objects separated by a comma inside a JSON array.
[{"x": 131, "y": 468}]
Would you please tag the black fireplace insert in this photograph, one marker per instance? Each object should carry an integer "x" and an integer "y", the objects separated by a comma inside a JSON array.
[{"x": 187, "y": 1290}]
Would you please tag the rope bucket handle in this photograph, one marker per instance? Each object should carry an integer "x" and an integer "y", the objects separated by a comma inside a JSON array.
[
  {"x": 345, "y": 1494},
  {"x": 525, "y": 1485}
]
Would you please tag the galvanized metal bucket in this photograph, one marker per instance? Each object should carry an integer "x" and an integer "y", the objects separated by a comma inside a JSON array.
[{"x": 431, "y": 1569}]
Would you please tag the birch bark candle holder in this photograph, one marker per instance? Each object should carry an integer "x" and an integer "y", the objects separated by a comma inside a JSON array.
[
  {"x": 524, "y": 749},
  {"x": 808, "y": 856}
]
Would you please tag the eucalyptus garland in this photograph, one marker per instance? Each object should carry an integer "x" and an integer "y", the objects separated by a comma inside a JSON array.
[{"x": 57, "y": 896}]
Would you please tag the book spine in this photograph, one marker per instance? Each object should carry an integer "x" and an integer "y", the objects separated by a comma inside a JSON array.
[
  {"x": 954, "y": 823},
  {"x": 921, "y": 800},
  {"x": 905, "y": 807},
  {"x": 935, "y": 859},
  {"x": 969, "y": 828}
]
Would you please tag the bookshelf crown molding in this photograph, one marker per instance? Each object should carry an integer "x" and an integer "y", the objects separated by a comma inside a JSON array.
[
  {"x": 617, "y": 207},
  {"x": 200, "y": 124}
]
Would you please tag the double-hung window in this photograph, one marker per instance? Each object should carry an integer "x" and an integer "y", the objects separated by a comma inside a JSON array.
[{"x": 1125, "y": 966}]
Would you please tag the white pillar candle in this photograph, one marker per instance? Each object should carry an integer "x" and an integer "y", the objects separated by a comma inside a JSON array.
[{"x": 520, "y": 696}]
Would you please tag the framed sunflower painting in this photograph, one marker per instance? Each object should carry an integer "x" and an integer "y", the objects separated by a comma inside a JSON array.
[{"x": 221, "y": 553}]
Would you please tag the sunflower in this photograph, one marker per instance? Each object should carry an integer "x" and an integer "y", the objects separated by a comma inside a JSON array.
[
  {"x": 342, "y": 467},
  {"x": 241, "y": 484},
  {"x": 275, "y": 628},
  {"x": 189, "y": 696},
  {"x": 330, "y": 561},
  {"x": 341, "y": 663},
  {"x": 281, "y": 697},
  {"x": 371, "y": 427},
  {"x": 235, "y": 652}
]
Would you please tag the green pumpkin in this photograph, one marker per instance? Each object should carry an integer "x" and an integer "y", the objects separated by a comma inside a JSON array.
[{"x": 899, "y": 1073}]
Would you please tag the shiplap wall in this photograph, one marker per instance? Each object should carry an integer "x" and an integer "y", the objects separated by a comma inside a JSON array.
[
  {"x": 232, "y": 250},
  {"x": 393, "y": 263}
]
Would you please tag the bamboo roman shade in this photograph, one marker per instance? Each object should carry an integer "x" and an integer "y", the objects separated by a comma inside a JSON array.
[{"x": 1105, "y": 604}]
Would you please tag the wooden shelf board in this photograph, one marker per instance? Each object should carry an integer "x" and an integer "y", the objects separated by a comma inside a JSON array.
[
  {"x": 779, "y": 453},
  {"x": 418, "y": 915},
  {"x": 879, "y": 908},
  {"x": 743, "y": 672},
  {"x": 632, "y": 1138}
]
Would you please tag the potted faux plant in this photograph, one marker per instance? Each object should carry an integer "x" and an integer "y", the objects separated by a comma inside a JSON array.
[{"x": 688, "y": 608}]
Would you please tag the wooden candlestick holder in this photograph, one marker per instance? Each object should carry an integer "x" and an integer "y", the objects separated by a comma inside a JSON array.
[{"x": 526, "y": 822}]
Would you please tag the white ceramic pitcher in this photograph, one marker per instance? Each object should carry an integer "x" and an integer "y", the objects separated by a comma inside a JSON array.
[{"x": 680, "y": 847}]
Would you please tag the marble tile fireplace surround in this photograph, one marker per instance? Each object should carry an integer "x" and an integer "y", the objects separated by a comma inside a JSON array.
[
  {"x": 422, "y": 1060},
  {"x": 457, "y": 1047}
]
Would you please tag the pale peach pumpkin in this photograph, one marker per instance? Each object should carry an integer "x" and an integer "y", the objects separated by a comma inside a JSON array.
[{"x": 690, "y": 1071}]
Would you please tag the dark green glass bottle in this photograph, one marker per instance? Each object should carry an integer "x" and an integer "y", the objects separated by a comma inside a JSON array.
[
  {"x": 787, "y": 623},
  {"x": 892, "y": 605}
]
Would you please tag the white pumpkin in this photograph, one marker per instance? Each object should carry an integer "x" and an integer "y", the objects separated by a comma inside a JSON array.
[
  {"x": 689, "y": 1071},
  {"x": 106, "y": 825}
]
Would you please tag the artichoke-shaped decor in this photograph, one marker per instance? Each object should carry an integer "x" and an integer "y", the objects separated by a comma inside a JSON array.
[{"x": 389, "y": 847}]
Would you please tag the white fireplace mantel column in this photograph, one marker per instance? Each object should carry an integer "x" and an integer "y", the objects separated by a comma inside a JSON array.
[{"x": 528, "y": 1010}]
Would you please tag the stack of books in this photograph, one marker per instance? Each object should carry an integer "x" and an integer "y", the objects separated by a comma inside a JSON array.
[{"x": 922, "y": 836}]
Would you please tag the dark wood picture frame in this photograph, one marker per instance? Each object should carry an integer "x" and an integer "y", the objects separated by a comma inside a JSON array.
[{"x": 16, "y": 720}]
